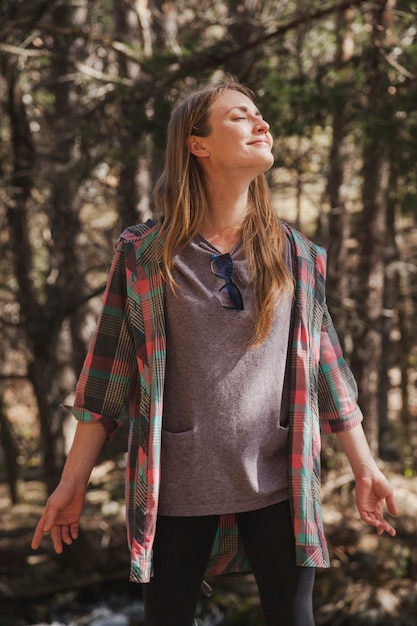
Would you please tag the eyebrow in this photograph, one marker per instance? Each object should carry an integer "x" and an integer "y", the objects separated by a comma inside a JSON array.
[{"x": 244, "y": 109}]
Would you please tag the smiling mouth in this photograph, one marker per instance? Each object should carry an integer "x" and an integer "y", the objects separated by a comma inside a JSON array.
[{"x": 259, "y": 142}]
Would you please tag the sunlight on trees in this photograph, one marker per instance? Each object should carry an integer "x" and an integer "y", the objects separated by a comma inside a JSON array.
[{"x": 86, "y": 91}]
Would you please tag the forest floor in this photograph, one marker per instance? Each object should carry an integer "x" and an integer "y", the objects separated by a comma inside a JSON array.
[{"x": 373, "y": 580}]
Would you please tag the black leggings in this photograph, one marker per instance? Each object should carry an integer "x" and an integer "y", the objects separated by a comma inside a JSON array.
[{"x": 181, "y": 551}]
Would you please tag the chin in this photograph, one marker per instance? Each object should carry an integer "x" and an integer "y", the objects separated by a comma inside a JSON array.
[{"x": 268, "y": 165}]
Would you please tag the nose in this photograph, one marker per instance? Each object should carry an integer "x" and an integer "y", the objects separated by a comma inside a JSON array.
[{"x": 262, "y": 126}]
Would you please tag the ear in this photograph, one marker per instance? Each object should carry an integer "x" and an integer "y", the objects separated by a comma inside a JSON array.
[{"x": 196, "y": 146}]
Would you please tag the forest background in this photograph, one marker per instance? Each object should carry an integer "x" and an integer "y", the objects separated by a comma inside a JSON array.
[{"x": 86, "y": 91}]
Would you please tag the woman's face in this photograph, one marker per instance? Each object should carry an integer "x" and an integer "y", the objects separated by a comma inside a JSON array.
[{"x": 239, "y": 141}]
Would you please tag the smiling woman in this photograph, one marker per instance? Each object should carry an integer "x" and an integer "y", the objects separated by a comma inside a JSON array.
[
  {"x": 217, "y": 136},
  {"x": 237, "y": 130},
  {"x": 215, "y": 342}
]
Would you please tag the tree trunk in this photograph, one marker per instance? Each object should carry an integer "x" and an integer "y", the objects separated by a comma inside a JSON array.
[
  {"x": 134, "y": 189},
  {"x": 47, "y": 300},
  {"x": 338, "y": 222},
  {"x": 406, "y": 316},
  {"x": 243, "y": 26},
  {"x": 11, "y": 451},
  {"x": 376, "y": 172},
  {"x": 390, "y": 296}
]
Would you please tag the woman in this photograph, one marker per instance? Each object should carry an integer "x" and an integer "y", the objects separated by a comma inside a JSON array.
[{"x": 215, "y": 341}]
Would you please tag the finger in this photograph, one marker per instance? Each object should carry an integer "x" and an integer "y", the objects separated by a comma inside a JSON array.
[
  {"x": 389, "y": 529},
  {"x": 74, "y": 530},
  {"x": 369, "y": 518},
  {"x": 65, "y": 535},
  {"x": 391, "y": 506},
  {"x": 384, "y": 526},
  {"x": 38, "y": 535},
  {"x": 377, "y": 522},
  {"x": 56, "y": 539},
  {"x": 40, "y": 531}
]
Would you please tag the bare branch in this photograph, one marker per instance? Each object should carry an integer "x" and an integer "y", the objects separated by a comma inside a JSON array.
[
  {"x": 215, "y": 56},
  {"x": 397, "y": 66},
  {"x": 303, "y": 18},
  {"x": 24, "y": 52},
  {"x": 107, "y": 78}
]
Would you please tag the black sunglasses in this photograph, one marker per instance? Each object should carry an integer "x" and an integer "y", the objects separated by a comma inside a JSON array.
[{"x": 222, "y": 266}]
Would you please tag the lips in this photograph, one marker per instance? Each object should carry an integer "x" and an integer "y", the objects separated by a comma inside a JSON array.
[{"x": 259, "y": 141}]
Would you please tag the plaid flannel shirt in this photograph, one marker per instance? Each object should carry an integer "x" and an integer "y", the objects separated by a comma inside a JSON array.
[{"x": 123, "y": 378}]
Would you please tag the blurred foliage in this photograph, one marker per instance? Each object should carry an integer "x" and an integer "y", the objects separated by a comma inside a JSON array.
[{"x": 86, "y": 92}]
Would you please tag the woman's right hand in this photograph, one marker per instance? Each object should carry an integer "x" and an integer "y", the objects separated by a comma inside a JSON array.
[{"x": 61, "y": 515}]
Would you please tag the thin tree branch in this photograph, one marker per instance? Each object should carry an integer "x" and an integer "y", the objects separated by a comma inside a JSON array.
[
  {"x": 303, "y": 18},
  {"x": 212, "y": 56},
  {"x": 106, "y": 78},
  {"x": 24, "y": 52},
  {"x": 397, "y": 66}
]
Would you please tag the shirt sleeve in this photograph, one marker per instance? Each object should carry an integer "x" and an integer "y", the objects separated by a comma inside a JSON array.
[
  {"x": 109, "y": 374},
  {"x": 338, "y": 392}
]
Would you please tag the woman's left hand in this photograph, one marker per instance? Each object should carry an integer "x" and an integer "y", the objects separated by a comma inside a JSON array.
[
  {"x": 372, "y": 491},
  {"x": 372, "y": 488}
]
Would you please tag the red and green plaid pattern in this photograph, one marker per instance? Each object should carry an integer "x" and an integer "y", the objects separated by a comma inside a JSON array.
[{"x": 123, "y": 377}]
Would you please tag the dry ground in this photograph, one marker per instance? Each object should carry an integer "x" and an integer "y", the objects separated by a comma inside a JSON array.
[{"x": 373, "y": 580}]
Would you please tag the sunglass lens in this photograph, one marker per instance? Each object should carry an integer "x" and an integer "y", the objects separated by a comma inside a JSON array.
[
  {"x": 231, "y": 297},
  {"x": 222, "y": 266}
]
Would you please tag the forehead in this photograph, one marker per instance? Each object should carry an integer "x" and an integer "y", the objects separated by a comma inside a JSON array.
[{"x": 231, "y": 99}]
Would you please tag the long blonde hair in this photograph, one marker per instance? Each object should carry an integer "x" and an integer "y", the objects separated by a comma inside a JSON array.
[{"x": 180, "y": 200}]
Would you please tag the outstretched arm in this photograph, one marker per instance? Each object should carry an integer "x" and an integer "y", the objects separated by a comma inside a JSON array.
[
  {"x": 64, "y": 506},
  {"x": 372, "y": 488}
]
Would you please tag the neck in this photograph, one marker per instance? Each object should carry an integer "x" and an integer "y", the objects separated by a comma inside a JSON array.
[{"x": 227, "y": 208}]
